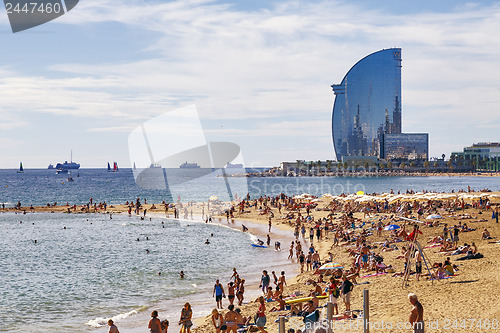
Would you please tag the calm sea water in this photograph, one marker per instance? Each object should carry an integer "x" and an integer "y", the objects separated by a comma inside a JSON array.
[
  {"x": 73, "y": 278},
  {"x": 38, "y": 187}
]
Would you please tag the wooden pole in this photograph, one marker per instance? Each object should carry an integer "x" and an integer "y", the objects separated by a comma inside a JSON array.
[
  {"x": 366, "y": 311},
  {"x": 281, "y": 324},
  {"x": 329, "y": 315}
]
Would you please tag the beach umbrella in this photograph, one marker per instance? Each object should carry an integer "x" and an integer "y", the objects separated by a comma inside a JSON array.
[
  {"x": 433, "y": 216},
  {"x": 330, "y": 265},
  {"x": 214, "y": 198},
  {"x": 391, "y": 227}
]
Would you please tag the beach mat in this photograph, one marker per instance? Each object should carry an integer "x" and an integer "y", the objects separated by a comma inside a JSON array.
[{"x": 375, "y": 274}]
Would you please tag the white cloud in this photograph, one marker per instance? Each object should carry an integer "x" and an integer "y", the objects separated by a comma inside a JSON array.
[{"x": 268, "y": 64}]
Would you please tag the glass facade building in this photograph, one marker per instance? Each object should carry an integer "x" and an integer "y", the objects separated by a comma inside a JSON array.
[
  {"x": 368, "y": 105},
  {"x": 406, "y": 146}
]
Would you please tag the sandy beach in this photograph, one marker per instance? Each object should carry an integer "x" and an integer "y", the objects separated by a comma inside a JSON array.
[{"x": 464, "y": 302}]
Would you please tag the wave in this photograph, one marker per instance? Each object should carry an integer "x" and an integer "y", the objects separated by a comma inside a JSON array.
[{"x": 100, "y": 321}]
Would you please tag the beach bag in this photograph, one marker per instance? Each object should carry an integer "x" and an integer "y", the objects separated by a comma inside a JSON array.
[{"x": 336, "y": 293}]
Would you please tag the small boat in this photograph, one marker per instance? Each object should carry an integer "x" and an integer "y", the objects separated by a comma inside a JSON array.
[
  {"x": 51, "y": 166},
  {"x": 257, "y": 245},
  {"x": 155, "y": 165},
  {"x": 70, "y": 179},
  {"x": 21, "y": 169},
  {"x": 187, "y": 165}
]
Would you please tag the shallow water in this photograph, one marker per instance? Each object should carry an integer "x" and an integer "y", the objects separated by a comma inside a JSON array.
[{"x": 85, "y": 268}]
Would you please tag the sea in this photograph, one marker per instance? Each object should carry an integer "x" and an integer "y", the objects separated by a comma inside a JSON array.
[{"x": 71, "y": 272}]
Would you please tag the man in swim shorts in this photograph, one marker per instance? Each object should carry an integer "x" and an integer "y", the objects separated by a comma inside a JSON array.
[{"x": 219, "y": 293}]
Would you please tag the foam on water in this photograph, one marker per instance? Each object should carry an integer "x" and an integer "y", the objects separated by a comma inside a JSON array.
[{"x": 100, "y": 322}]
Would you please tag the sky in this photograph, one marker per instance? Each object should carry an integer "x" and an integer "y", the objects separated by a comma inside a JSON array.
[{"x": 258, "y": 72}]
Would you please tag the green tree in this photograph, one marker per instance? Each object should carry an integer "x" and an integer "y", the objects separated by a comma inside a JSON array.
[
  {"x": 426, "y": 166},
  {"x": 329, "y": 164}
]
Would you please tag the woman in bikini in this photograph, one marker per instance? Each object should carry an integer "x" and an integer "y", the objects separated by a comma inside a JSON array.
[{"x": 185, "y": 321}]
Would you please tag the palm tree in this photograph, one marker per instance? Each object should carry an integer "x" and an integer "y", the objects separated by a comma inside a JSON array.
[
  {"x": 426, "y": 166},
  {"x": 450, "y": 164},
  {"x": 329, "y": 164},
  {"x": 389, "y": 166},
  {"x": 402, "y": 166}
]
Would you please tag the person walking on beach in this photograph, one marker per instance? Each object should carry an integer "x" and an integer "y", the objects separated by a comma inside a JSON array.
[
  {"x": 260, "y": 322},
  {"x": 154, "y": 324},
  {"x": 240, "y": 292},
  {"x": 112, "y": 327},
  {"x": 346, "y": 289},
  {"x": 219, "y": 293},
  {"x": 418, "y": 265},
  {"x": 417, "y": 314},
  {"x": 185, "y": 320},
  {"x": 230, "y": 292},
  {"x": 264, "y": 281},
  {"x": 290, "y": 255}
]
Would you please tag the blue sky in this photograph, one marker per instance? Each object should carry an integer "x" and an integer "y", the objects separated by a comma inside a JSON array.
[{"x": 259, "y": 73}]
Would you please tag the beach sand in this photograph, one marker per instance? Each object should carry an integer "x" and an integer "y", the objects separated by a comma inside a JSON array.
[
  {"x": 466, "y": 302},
  {"x": 463, "y": 303}
]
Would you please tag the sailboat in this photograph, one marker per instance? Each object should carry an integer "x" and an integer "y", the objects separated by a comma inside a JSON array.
[
  {"x": 134, "y": 167},
  {"x": 21, "y": 169},
  {"x": 70, "y": 179},
  {"x": 115, "y": 167}
]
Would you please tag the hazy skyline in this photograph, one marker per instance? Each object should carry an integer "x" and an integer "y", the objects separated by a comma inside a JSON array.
[{"x": 259, "y": 73}]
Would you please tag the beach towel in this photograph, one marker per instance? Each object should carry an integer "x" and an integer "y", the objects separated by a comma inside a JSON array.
[
  {"x": 374, "y": 274},
  {"x": 432, "y": 245},
  {"x": 446, "y": 277}
]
